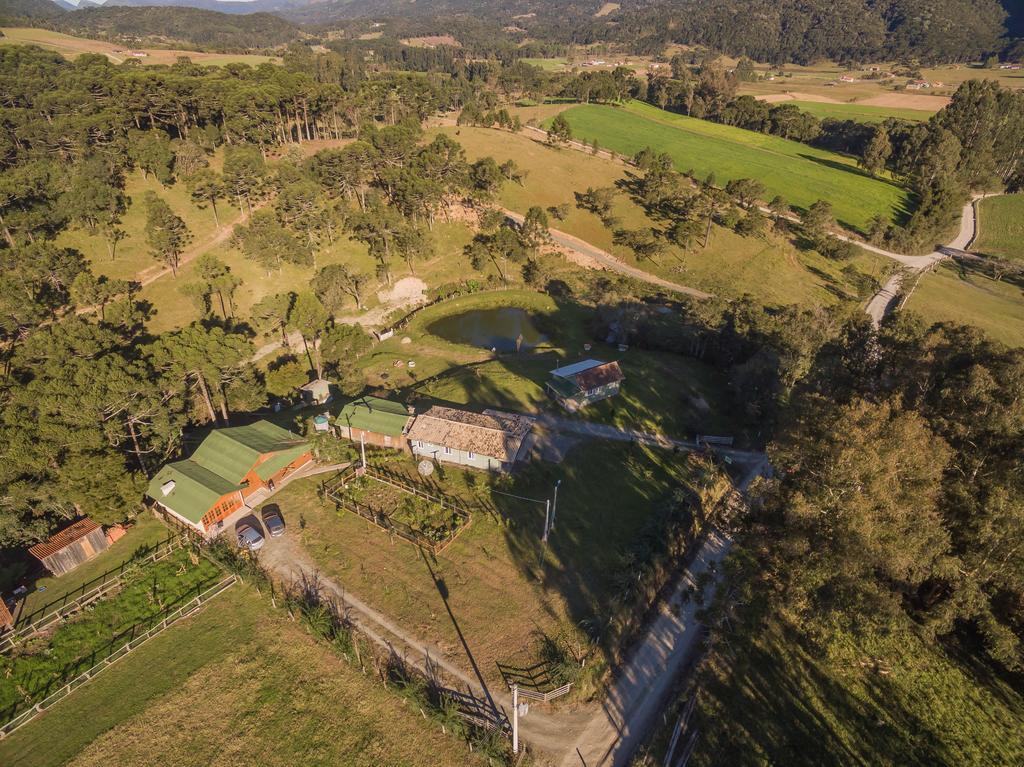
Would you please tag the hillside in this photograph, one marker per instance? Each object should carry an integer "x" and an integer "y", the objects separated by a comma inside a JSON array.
[
  {"x": 29, "y": 9},
  {"x": 800, "y": 173},
  {"x": 185, "y": 26}
]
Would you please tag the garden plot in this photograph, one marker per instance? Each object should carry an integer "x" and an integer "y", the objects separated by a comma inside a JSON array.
[
  {"x": 146, "y": 595},
  {"x": 397, "y": 505}
]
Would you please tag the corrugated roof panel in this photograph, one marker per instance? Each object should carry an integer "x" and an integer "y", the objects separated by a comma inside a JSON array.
[
  {"x": 381, "y": 416},
  {"x": 64, "y": 538},
  {"x": 577, "y": 367}
]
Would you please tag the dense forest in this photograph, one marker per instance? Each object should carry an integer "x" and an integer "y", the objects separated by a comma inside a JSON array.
[
  {"x": 929, "y": 31},
  {"x": 71, "y": 133},
  {"x": 207, "y": 30}
]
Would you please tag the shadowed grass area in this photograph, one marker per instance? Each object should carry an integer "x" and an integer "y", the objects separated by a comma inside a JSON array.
[
  {"x": 1001, "y": 226},
  {"x": 953, "y": 294},
  {"x": 238, "y": 684},
  {"x": 798, "y": 172},
  {"x": 768, "y": 699}
]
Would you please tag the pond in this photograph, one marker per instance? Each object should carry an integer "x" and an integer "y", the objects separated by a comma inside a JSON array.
[{"x": 505, "y": 329}]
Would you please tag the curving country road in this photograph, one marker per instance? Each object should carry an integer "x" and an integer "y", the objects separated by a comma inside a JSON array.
[
  {"x": 884, "y": 301},
  {"x": 608, "y": 261}
]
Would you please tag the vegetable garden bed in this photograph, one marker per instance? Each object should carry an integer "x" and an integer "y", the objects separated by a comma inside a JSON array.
[{"x": 399, "y": 506}]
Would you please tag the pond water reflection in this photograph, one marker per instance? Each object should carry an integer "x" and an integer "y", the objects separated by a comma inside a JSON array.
[{"x": 505, "y": 329}]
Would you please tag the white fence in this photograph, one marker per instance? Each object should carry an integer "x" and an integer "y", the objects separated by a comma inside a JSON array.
[{"x": 181, "y": 612}]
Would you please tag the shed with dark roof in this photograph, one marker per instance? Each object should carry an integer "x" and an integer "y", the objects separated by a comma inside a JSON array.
[
  {"x": 72, "y": 546},
  {"x": 582, "y": 383}
]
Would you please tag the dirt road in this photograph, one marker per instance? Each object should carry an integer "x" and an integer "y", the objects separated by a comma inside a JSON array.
[{"x": 608, "y": 261}]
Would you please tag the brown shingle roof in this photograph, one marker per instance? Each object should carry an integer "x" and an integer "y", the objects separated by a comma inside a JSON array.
[
  {"x": 609, "y": 372},
  {"x": 64, "y": 538},
  {"x": 492, "y": 433}
]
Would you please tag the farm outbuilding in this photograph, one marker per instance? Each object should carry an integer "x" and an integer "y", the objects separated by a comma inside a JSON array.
[
  {"x": 582, "y": 383},
  {"x": 71, "y": 547},
  {"x": 492, "y": 440},
  {"x": 376, "y": 421},
  {"x": 316, "y": 392}
]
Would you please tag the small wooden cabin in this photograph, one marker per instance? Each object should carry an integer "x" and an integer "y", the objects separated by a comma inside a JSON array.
[
  {"x": 72, "y": 546},
  {"x": 376, "y": 421}
]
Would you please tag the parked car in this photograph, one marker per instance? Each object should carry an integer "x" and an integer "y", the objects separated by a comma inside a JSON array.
[
  {"x": 273, "y": 521},
  {"x": 249, "y": 537}
]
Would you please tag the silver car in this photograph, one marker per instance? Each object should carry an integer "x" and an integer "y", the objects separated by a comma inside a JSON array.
[
  {"x": 273, "y": 521},
  {"x": 249, "y": 537}
]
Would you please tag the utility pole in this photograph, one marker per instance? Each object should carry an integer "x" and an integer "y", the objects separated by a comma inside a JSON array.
[
  {"x": 515, "y": 718},
  {"x": 547, "y": 520},
  {"x": 554, "y": 505}
]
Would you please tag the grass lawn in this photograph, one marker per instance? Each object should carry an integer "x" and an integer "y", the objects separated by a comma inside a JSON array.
[
  {"x": 448, "y": 370},
  {"x": 770, "y": 269},
  {"x": 502, "y": 585},
  {"x": 133, "y": 255},
  {"x": 860, "y": 112},
  {"x": 146, "y": 532},
  {"x": 800, "y": 173},
  {"x": 767, "y": 700},
  {"x": 950, "y": 294},
  {"x": 237, "y": 684},
  {"x": 1001, "y": 226}
]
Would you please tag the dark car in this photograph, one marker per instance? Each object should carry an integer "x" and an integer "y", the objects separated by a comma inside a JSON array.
[
  {"x": 273, "y": 521},
  {"x": 249, "y": 537}
]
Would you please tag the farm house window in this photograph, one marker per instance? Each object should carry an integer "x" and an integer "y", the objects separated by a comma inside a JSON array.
[
  {"x": 387, "y": 439},
  {"x": 472, "y": 455},
  {"x": 447, "y": 451}
]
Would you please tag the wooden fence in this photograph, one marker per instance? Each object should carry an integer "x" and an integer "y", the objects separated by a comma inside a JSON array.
[
  {"x": 334, "y": 490},
  {"x": 89, "y": 592},
  {"x": 183, "y": 611}
]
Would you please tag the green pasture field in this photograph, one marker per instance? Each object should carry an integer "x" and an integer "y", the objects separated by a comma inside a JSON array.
[
  {"x": 769, "y": 268},
  {"x": 953, "y": 294},
  {"x": 280, "y": 698},
  {"x": 860, "y": 112},
  {"x": 769, "y": 699},
  {"x": 798, "y": 172},
  {"x": 1001, "y": 226}
]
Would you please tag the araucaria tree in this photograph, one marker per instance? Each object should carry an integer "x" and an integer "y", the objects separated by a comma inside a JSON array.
[{"x": 166, "y": 233}]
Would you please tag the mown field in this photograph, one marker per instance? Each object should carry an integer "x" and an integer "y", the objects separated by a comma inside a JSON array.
[
  {"x": 770, "y": 700},
  {"x": 800, "y": 173},
  {"x": 70, "y": 47},
  {"x": 238, "y": 684},
  {"x": 769, "y": 268},
  {"x": 503, "y": 589},
  {"x": 864, "y": 113},
  {"x": 1001, "y": 226},
  {"x": 952, "y": 294}
]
